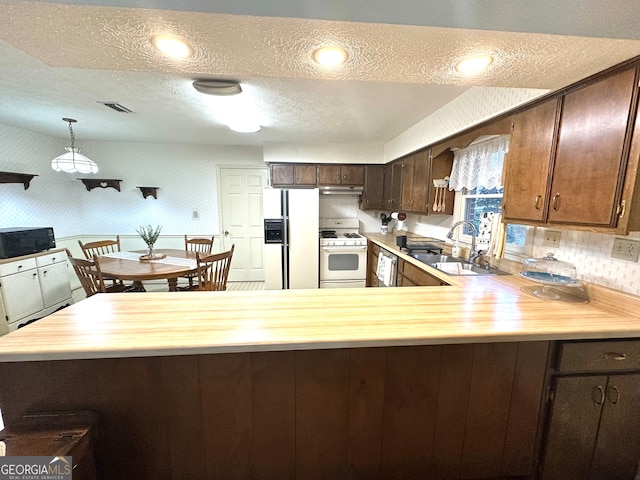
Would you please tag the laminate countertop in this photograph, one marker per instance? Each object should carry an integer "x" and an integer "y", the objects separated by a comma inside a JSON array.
[{"x": 472, "y": 310}]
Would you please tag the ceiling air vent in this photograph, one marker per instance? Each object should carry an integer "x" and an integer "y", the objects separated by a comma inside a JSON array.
[{"x": 117, "y": 107}]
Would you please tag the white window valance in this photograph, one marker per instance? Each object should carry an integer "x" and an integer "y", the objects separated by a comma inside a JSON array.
[{"x": 480, "y": 164}]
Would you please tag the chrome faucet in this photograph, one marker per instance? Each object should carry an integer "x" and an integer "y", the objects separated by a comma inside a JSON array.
[{"x": 472, "y": 254}]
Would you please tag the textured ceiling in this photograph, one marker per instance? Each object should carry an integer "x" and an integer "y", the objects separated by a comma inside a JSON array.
[{"x": 61, "y": 60}]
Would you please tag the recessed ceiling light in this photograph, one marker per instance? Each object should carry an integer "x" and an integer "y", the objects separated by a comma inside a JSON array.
[
  {"x": 474, "y": 64},
  {"x": 172, "y": 47},
  {"x": 330, "y": 56}
]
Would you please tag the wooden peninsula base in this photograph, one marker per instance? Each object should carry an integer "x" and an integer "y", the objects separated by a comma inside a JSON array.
[{"x": 410, "y": 412}]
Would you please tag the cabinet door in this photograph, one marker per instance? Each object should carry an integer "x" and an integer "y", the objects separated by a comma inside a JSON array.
[
  {"x": 406, "y": 199},
  {"x": 54, "y": 283},
  {"x": 305, "y": 175},
  {"x": 387, "y": 193},
  {"x": 591, "y": 154},
  {"x": 352, "y": 175},
  {"x": 21, "y": 294},
  {"x": 373, "y": 188},
  {"x": 281, "y": 175},
  {"x": 617, "y": 450},
  {"x": 573, "y": 427},
  {"x": 527, "y": 163},
  {"x": 329, "y": 175},
  {"x": 396, "y": 186}
]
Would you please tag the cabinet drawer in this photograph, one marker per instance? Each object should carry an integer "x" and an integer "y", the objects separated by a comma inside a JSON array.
[
  {"x": 599, "y": 356},
  {"x": 51, "y": 258},
  {"x": 17, "y": 267}
]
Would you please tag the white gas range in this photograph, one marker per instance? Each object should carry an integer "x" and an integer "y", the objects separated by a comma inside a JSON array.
[{"x": 343, "y": 254}]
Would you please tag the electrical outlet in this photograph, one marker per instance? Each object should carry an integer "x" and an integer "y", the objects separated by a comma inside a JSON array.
[
  {"x": 551, "y": 238},
  {"x": 195, "y": 215},
  {"x": 625, "y": 249}
]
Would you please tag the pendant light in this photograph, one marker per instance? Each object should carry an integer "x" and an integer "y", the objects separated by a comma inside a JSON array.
[{"x": 73, "y": 160}]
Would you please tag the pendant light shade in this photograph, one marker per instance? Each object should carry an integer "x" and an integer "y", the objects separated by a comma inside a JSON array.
[{"x": 73, "y": 161}]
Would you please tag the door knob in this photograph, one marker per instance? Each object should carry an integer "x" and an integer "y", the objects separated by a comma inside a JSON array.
[{"x": 226, "y": 232}]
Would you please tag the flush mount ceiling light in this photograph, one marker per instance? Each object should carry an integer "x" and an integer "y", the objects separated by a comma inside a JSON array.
[
  {"x": 171, "y": 46},
  {"x": 244, "y": 126},
  {"x": 73, "y": 160},
  {"x": 217, "y": 87},
  {"x": 330, "y": 56},
  {"x": 474, "y": 64}
]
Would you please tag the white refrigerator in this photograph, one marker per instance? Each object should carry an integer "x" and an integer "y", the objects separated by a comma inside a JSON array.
[{"x": 291, "y": 239}]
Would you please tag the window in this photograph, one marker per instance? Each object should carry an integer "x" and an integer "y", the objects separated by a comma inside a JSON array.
[
  {"x": 477, "y": 178},
  {"x": 471, "y": 204}
]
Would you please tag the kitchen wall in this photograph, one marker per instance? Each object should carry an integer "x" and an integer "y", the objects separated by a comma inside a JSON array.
[
  {"x": 323, "y": 153},
  {"x": 185, "y": 174}
]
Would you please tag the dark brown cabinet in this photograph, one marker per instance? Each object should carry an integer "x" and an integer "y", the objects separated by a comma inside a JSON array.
[
  {"x": 392, "y": 193},
  {"x": 592, "y": 153},
  {"x": 415, "y": 182},
  {"x": 527, "y": 164},
  {"x": 371, "y": 198},
  {"x": 411, "y": 276},
  {"x": 594, "y": 428},
  {"x": 293, "y": 174},
  {"x": 575, "y": 178},
  {"x": 341, "y": 175}
]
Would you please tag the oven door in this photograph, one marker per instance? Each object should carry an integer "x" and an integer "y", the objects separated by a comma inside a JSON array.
[{"x": 339, "y": 263}]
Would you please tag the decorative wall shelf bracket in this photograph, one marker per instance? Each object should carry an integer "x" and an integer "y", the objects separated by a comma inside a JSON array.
[
  {"x": 10, "y": 177},
  {"x": 92, "y": 183},
  {"x": 146, "y": 191}
]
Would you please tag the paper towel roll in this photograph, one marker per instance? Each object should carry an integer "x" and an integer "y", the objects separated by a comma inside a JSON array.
[{"x": 399, "y": 216}]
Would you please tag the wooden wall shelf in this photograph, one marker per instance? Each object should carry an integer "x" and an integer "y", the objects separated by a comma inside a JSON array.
[
  {"x": 11, "y": 177},
  {"x": 92, "y": 183},
  {"x": 146, "y": 191}
]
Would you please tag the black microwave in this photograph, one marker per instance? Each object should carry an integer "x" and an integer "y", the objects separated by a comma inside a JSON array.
[{"x": 15, "y": 242}]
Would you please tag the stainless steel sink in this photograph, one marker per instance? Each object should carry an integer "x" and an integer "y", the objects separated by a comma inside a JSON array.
[{"x": 455, "y": 266}]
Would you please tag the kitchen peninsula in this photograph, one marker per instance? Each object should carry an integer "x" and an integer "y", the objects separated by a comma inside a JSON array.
[{"x": 423, "y": 382}]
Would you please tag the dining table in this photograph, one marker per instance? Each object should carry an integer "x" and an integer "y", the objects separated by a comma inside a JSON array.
[{"x": 171, "y": 264}]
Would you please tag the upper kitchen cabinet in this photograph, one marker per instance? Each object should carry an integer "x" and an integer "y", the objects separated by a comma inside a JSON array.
[
  {"x": 341, "y": 175},
  {"x": 527, "y": 165},
  {"x": 293, "y": 174},
  {"x": 371, "y": 198},
  {"x": 592, "y": 152},
  {"x": 415, "y": 182},
  {"x": 569, "y": 162},
  {"x": 392, "y": 191}
]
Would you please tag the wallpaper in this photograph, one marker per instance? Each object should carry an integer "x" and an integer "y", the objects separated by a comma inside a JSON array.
[{"x": 186, "y": 177}]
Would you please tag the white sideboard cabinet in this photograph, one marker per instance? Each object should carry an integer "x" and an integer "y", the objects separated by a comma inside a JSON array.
[{"x": 32, "y": 287}]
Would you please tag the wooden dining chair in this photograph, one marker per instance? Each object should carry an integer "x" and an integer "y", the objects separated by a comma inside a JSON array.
[
  {"x": 198, "y": 245},
  {"x": 102, "y": 247},
  {"x": 213, "y": 270},
  {"x": 89, "y": 274}
]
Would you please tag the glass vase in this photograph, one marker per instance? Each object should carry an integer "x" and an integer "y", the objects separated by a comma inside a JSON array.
[{"x": 150, "y": 251}]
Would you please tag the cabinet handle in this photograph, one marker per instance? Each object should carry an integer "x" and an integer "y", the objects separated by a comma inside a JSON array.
[
  {"x": 555, "y": 201},
  {"x": 35, "y": 274},
  {"x": 598, "y": 395},
  {"x": 615, "y": 356},
  {"x": 19, "y": 267},
  {"x": 613, "y": 399},
  {"x": 538, "y": 197}
]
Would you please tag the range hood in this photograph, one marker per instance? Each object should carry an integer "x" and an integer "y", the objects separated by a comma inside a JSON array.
[{"x": 340, "y": 190}]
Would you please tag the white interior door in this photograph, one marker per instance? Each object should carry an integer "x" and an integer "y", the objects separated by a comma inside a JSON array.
[{"x": 242, "y": 223}]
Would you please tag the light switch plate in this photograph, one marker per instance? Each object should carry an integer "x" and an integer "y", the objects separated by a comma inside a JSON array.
[
  {"x": 551, "y": 238},
  {"x": 625, "y": 249}
]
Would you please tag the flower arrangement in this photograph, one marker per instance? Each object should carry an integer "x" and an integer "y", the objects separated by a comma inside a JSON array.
[{"x": 149, "y": 234}]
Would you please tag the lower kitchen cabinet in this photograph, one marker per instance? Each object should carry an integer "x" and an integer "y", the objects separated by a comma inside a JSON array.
[
  {"x": 32, "y": 287},
  {"x": 594, "y": 426},
  {"x": 411, "y": 276}
]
